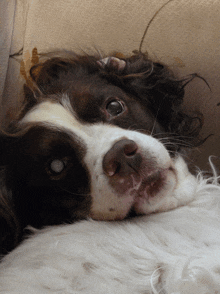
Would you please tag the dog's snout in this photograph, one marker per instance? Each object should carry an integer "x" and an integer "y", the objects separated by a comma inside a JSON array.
[{"x": 122, "y": 159}]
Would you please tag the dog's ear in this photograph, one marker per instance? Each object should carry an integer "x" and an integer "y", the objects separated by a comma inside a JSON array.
[
  {"x": 55, "y": 74},
  {"x": 47, "y": 77},
  {"x": 155, "y": 85},
  {"x": 9, "y": 225},
  {"x": 7, "y": 147},
  {"x": 150, "y": 82}
]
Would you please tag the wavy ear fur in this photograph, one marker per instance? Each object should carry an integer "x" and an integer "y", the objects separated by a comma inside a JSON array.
[
  {"x": 56, "y": 73},
  {"x": 155, "y": 85},
  {"x": 9, "y": 225}
]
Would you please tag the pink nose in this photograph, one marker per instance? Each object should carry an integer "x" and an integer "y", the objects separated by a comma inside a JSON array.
[{"x": 122, "y": 159}]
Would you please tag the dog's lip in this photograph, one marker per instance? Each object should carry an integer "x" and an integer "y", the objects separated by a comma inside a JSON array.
[
  {"x": 149, "y": 186},
  {"x": 152, "y": 184}
]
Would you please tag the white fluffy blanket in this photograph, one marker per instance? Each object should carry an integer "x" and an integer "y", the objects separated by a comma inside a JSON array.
[{"x": 175, "y": 252}]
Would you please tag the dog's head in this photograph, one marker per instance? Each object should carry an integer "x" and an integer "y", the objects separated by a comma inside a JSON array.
[{"x": 96, "y": 138}]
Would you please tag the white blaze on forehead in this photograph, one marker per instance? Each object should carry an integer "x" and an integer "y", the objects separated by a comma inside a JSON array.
[{"x": 53, "y": 113}]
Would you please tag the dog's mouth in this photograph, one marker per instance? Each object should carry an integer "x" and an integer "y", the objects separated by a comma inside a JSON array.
[
  {"x": 139, "y": 179},
  {"x": 150, "y": 186},
  {"x": 150, "y": 190},
  {"x": 145, "y": 194}
]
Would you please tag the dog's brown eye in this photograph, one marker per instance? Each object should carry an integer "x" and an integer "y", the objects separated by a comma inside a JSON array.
[
  {"x": 57, "y": 166},
  {"x": 114, "y": 107}
]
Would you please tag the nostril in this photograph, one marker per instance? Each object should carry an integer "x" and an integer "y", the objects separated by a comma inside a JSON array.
[
  {"x": 111, "y": 167},
  {"x": 130, "y": 148},
  {"x": 122, "y": 158}
]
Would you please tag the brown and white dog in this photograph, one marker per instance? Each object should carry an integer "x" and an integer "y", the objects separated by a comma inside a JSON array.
[
  {"x": 95, "y": 138},
  {"x": 101, "y": 139}
]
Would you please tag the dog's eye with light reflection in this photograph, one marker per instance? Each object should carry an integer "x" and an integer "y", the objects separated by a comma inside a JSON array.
[
  {"x": 115, "y": 107},
  {"x": 57, "y": 166}
]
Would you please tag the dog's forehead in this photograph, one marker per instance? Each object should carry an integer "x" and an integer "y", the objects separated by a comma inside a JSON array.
[
  {"x": 62, "y": 116},
  {"x": 54, "y": 113}
]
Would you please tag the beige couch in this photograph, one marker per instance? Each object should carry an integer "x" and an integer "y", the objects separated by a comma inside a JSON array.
[{"x": 185, "y": 34}]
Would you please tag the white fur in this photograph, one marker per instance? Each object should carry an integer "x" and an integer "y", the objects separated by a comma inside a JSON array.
[{"x": 173, "y": 252}]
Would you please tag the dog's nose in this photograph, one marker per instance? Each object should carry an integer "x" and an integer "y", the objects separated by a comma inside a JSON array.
[{"x": 122, "y": 159}]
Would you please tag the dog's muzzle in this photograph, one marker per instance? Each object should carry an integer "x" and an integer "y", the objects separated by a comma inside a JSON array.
[{"x": 125, "y": 166}]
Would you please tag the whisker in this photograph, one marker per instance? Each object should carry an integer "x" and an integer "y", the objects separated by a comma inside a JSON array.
[
  {"x": 173, "y": 141},
  {"x": 156, "y": 116},
  {"x": 176, "y": 140}
]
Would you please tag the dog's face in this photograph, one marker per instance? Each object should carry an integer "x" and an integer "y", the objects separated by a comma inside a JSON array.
[
  {"x": 96, "y": 170},
  {"x": 86, "y": 147}
]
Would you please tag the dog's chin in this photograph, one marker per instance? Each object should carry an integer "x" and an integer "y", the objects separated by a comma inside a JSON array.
[{"x": 147, "y": 195}]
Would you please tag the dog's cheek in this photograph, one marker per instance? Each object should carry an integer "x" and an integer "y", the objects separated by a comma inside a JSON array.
[{"x": 107, "y": 205}]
